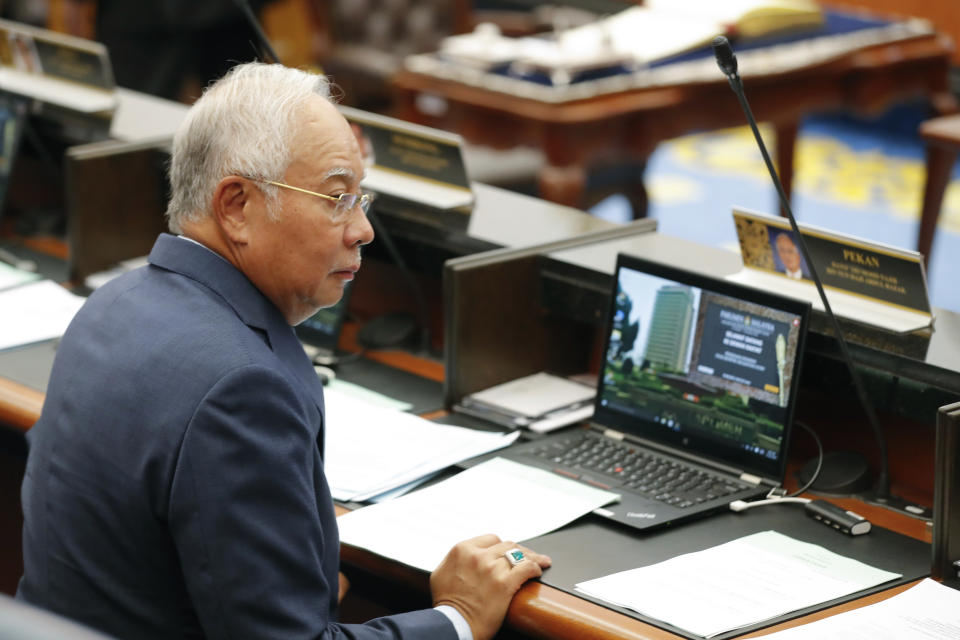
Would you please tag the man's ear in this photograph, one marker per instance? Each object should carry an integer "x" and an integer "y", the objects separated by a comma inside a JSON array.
[{"x": 231, "y": 200}]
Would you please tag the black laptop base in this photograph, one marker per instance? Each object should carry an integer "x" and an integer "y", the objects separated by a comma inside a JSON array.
[{"x": 634, "y": 509}]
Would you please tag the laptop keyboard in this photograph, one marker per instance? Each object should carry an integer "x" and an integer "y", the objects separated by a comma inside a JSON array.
[{"x": 664, "y": 479}]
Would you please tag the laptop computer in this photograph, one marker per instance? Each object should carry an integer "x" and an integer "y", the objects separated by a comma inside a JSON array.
[
  {"x": 695, "y": 396},
  {"x": 13, "y": 116},
  {"x": 320, "y": 333}
]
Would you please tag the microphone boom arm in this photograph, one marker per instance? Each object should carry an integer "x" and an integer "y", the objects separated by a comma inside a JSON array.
[{"x": 728, "y": 64}]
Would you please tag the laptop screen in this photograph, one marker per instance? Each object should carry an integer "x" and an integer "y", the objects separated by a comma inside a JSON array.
[
  {"x": 702, "y": 365},
  {"x": 322, "y": 329},
  {"x": 13, "y": 115}
]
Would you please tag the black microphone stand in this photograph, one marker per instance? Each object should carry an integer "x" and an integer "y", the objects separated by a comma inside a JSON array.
[
  {"x": 265, "y": 46},
  {"x": 727, "y": 62}
]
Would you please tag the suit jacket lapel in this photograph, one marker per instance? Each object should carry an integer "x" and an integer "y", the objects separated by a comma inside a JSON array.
[{"x": 203, "y": 265}]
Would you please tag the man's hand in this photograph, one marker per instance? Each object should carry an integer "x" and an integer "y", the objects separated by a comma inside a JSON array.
[{"x": 477, "y": 579}]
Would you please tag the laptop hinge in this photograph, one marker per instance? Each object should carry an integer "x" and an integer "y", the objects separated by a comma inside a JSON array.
[
  {"x": 610, "y": 433},
  {"x": 752, "y": 479}
]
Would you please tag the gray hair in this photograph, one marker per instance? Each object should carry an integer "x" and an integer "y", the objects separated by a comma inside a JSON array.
[{"x": 244, "y": 124}]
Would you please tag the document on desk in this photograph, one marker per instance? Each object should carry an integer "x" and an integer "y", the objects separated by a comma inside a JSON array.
[
  {"x": 928, "y": 610},
  {"x": 11, "y": 276},
  {"x": 511, "y": 500},
  {"x": 35, "y": 312},
  {"x": 737, "y": 584},
  {"x": 371, "y": 449}
]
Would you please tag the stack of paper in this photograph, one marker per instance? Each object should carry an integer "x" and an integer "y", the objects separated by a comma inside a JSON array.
[
  {"x": 539, "y": 402},
  {"x": 511, "y": 500},
  {"x": 633, "y": 37},
  {"x": 11, "y": 276},
  {"x": 35, "y": 312},
  {"x": 372, "y": 449},
  {"x": 733, "y": 585},
  {"x": 928, "y": 610}
]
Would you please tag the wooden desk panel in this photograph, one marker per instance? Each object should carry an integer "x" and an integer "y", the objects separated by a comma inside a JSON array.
[{"x": 19, "y": 405}]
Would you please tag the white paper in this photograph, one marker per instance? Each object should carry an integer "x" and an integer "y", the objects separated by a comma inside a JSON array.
[
  {"x": 511, "y": 500},
  {"x": 535, "y": 395},
  {"x": 370, "y": 449},
  {"x": 338, "y": 385},
  {"x": 928, "y": 610},
  {"x": 35, "y": 312},
  {"x": 742, "y": 582},
  {"x": 10, "y": 276}
]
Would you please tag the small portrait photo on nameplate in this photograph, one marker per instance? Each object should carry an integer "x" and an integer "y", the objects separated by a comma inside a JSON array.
[
  {"x": 24, "y": 52},
  {"x": 865, "y": 281}
]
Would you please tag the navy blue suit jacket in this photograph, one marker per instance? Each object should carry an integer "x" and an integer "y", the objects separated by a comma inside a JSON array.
[{"x": 174, "y": 483}]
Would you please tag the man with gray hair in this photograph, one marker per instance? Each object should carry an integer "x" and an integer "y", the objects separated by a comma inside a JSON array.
[{"x": 175, "y": 485}]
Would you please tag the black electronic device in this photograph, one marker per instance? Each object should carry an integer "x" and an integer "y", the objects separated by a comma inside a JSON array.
[
  {"x": 848, "y": 522},
  {"x": 321, "y": 331},
  {"x": 695, "y": 398},
  {"x": 13, "y": 120},
  {"x": 727, "y": 62}
]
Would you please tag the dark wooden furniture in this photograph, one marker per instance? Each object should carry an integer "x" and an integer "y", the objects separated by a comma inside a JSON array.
[
  {"x": 623, "y": 128},
  {"x": 575, "y": 275},
  {"x": 942, "y": 136},
  {"x": 538, "y": 611}
]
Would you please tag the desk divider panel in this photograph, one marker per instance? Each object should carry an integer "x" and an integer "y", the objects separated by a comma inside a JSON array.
[
  {"x": 495, "y": 329},
  {"x": 116, "y": 198},
  {"x": 946, "y": 496}
]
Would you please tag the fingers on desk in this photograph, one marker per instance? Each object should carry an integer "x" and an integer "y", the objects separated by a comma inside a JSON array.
[
  {"x": 479, "y": 580},
  {"x": 498, "y": 549}
]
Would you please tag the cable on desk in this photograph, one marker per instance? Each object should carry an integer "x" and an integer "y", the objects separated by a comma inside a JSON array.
[
  {"x": 778, "y": 495},
  {"x": 743, "y": 505},
  {"x": 843, "y": 520},
  {"x": 816, "y": 472}
]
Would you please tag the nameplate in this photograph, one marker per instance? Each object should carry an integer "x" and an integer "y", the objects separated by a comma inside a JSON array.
[
  {"x": 412, "y": 162},
  {"x": 859, "y": 276},
  {"x": 56, "y": 68}
]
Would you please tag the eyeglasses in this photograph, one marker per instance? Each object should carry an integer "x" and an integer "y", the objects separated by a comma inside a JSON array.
[{"x": 345, "y": 202}]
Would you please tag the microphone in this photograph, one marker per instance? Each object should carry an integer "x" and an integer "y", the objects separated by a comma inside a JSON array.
[
  {"x": 727, "y": 62},
  {"x": 263, "y": 41},
  {"x": 725, "y": 58}
]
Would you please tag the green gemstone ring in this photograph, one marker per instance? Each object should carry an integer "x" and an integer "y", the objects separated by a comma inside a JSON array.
[{"x": 514, "y": 556}]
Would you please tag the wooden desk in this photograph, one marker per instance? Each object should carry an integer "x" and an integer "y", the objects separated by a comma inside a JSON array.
[
  {"x": 624, "y": 127},
  {"x": 942, "y": 136},
  {"x": 538, "y": 611},
  {"x": 541, "y": 611},
  {"x": 19, "y": 405}
]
